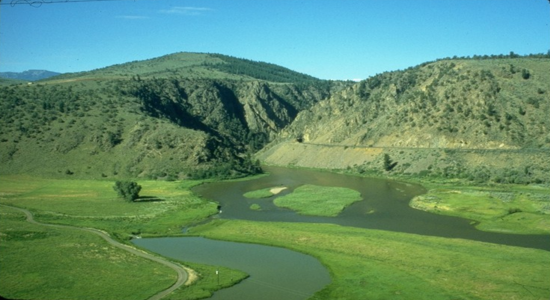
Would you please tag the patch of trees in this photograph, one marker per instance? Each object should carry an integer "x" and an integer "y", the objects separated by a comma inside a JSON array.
[
  {"x": 499, "y": 56},
  {"x": 30, "y": 110},
  {"x": 260, "y": 70},
  {"x": 238, "y": 167}
]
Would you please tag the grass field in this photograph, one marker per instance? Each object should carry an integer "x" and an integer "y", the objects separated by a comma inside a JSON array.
[
  {"x": 372, "y": 264},
  {"x": 39, "y": 262},
  {"x": 512, "y": 209},
  {"x": 208, "y": 282},
  {"x": 318, "y": 200},
  {"x": 164, "y": 207}
]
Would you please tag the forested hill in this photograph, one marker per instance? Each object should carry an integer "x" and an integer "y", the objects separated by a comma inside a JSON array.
[
  {"x": 202, "y": 115},
  {"x": 180, "y": 115},
  {"x": 196, "y": 66},
  {"x": 444, "y": 117}
]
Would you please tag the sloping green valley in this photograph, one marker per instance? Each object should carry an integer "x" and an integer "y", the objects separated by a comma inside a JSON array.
[{"x": 474, "y": 132}]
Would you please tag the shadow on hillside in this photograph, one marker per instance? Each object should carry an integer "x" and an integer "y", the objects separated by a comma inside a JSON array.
[{"x": 148, "y": 199}]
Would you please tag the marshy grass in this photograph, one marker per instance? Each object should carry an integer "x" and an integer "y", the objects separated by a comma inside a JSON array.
[
  {"x": 259, "y": 194},
  {"x": 318, "y": 200},
  {"x": 516, "y": 209}
]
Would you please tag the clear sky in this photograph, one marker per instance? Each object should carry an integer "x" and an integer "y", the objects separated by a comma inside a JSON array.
[{"x": 328, "y": 39}]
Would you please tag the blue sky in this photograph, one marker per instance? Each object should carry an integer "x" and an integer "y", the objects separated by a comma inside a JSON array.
[{"x": 329, "y": 39}]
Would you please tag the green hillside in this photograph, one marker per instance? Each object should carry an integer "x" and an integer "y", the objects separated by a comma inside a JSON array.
[
  {"x": 9, "y": 81},
  {"x": 201, "y": 115},
  {"x": 196, "y": 66},
  {"x": 478, "y": 118},
  {"x": 174, "y": 116}
]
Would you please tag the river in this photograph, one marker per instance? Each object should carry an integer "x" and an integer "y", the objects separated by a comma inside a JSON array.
[
  {"x": 277, "y": 273},
  {"x": 385, "y": 206}
]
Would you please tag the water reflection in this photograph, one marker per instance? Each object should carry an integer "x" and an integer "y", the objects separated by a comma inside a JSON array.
[{"x": 275, "y": 273}]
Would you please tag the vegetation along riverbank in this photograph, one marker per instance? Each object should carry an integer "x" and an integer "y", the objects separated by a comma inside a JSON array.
[{"x": 371, "y": 264}]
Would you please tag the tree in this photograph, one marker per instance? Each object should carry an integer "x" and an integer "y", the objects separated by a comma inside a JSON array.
[
  {"x": 525, "y": 74},
  {"x": 128, "y": 190},
  {"x": 388, "y": 164}
]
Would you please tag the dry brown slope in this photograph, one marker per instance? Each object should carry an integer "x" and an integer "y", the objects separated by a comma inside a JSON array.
[{"x": 485, "y": 119}]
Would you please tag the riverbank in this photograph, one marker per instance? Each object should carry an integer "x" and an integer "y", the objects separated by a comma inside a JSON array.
[
  {"x": 275, "y": 272},
  {"x": 519, "y": 210},
  {"x": 504, "y": 208},
  {"x": 373, "y": 264}
]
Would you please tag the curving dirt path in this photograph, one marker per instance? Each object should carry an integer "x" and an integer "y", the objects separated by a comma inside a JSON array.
[{"x": 182, "y": 273}]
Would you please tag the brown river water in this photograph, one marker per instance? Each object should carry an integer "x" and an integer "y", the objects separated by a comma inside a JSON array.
[
  {"x": 385, "y": 206},
  {"x": 277, "y": 273}
]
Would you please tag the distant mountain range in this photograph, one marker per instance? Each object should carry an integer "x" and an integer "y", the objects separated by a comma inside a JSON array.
[{"x": 30, "y": 75}]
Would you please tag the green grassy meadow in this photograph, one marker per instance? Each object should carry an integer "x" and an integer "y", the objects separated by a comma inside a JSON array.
[
  {"x": 40, "y": 262},
  {"x": 163, "y": 208},
  {"x": 511, "y": 209},
  {"x": 259, "y": 194},
  {"x": 372, "y": 264},
  {"x": 318, "y": 200}
]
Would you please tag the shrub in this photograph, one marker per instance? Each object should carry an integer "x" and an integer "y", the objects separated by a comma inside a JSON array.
[
  {"x": 128, "y": 190},
  {"x": 514, "y": 210},
  {"x": 525, "y": 74}
]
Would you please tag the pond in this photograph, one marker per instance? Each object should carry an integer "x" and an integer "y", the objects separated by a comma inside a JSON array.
[
  {"x": 385, "y": 206},
  {"x": 275, "y": 273}
]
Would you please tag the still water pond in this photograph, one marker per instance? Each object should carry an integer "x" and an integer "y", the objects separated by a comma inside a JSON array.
[{"x": 275, "y": 273}]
